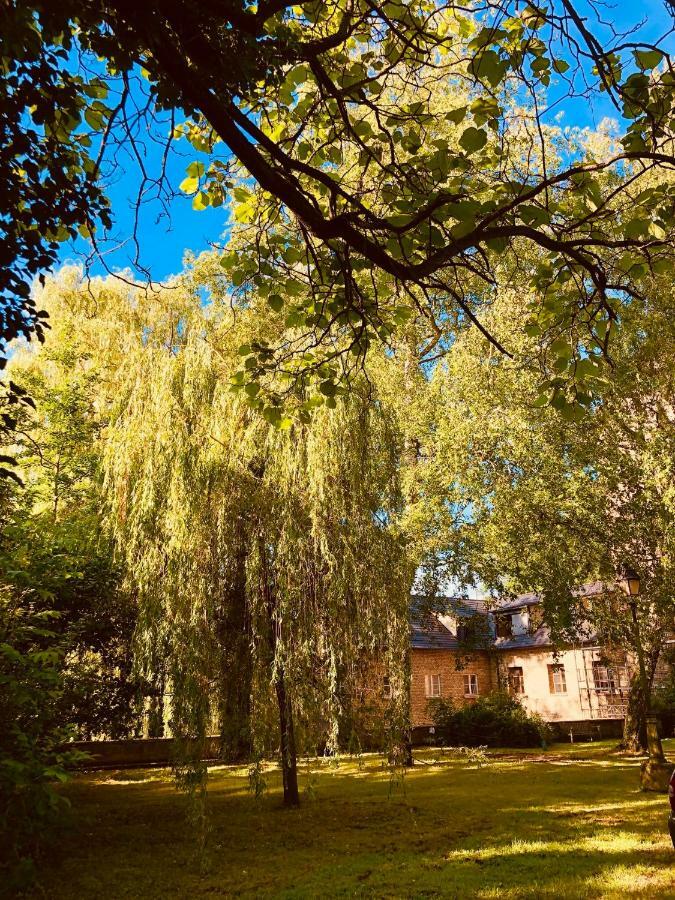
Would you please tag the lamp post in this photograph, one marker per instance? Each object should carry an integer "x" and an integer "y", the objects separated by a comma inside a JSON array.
[{"x": 631, "y": 582}]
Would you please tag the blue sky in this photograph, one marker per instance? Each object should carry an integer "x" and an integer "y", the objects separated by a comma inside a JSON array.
[{"x": 164, "y": 238}]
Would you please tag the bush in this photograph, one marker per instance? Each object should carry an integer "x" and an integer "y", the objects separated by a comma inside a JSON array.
[
  {"x": 497, "y": 720},
  {"x": 32, "y": 758}
]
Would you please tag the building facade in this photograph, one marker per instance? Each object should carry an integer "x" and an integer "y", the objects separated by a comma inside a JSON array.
[{"x": 469, "y": 650}]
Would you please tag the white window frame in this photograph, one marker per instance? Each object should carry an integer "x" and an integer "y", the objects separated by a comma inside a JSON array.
[
  {"x": 558, "y": 678},
  {"x": 433, "y": 686},
  {"x": 471, "y": 685},
  {"x": 386, "y": 687},
  {"x": 515, "y": 673},
  {"x": 606, "y": 684}
]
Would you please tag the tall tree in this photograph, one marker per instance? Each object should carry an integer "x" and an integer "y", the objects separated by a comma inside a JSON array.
[
  {"x": 528, "y": 500},
  {"x": 250, "y": 539},
  {"x": 291, "y": 91},
  {"x": 55, "y": 546}
]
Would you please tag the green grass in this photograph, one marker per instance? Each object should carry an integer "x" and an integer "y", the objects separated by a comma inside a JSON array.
[{"x": 568, "y": 823}]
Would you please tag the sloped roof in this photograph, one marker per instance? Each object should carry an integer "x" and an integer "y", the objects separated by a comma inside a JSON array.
[
  {"x": 531, "y": 599},
  {"x": 427, "y": 633},
  {"x": 444, "y": 605},
  {"x": 467, "y": 606}
]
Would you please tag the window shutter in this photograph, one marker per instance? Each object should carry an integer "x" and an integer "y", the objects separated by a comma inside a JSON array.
[
  {"x": 551, "y": 685},
  {"x": 427, "y": 685}
]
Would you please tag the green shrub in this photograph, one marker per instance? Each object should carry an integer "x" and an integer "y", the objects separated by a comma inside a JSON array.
[
  {"x": 32, "y": 760},
  {"x": 497, "y": 720}
]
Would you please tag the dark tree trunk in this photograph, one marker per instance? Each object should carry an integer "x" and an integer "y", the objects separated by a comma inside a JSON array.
[
  {"x": 156, "y": 712},
  {"x": 289, "y": 762},
  {"x": 634, "y": 727},
  {"x": 236, "y": 671},
  {"x": 400, "y": 753},
  {"x": 646, "y": 677}
]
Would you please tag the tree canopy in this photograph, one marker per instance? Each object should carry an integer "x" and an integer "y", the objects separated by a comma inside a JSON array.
[{"x": 409, "y": 143}]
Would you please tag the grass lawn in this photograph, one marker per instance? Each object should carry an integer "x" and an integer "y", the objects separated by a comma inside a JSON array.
[{"x": 568, "y": 823}]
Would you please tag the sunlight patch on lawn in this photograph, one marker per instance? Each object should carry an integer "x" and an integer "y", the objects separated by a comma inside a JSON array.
[
  {"x": 572, "y": 809},
  {"x": 629, "y": 881},
  {"x": 619, "y": 843}
]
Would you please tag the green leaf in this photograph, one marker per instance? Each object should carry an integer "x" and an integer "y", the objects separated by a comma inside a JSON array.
[
  {"x": 473, "y": 139},
  {"x": 402, "y": 314},
  {"x": 637, "y": 228},
  {"x": 94, "y": 118},
  {"x": 276, "y": 301},
  {"x": 647, "y": 59},
  {"x": 456, "y": 115},
  {"x": 533, "y": 215},
  {"x": 272, "y": 414},
  {"x": 488, "y": 66},
  {"x": 560, "y": 66},
  {"x": 328, "y": 388},
  {"x": 571, "y": 412},
  {"x": 662, "y": 266},
  {"x": 195, "y": 169}
]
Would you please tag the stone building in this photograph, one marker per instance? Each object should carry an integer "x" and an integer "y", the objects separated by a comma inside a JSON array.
[{"x": 468, "y": 650}]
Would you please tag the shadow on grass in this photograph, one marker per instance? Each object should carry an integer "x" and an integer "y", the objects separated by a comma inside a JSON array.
[{"x": 508, "y": 829}]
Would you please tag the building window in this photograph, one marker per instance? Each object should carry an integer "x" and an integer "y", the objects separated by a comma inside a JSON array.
[
  {"x": 386, "y": 688},
  {"x": 516, "y": 680},
  {"x": 605, "y": 678},
  {"x": 504, "y": 627},
  {"x": 556, "y": 679},
  {"x": 432, "y": 685},
  {"x": 471, "y": 685}
]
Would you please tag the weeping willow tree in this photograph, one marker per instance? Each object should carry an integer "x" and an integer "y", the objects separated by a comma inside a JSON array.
[{"x": 266, "y": 555}]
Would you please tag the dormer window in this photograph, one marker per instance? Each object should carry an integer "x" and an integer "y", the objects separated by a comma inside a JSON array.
[{"x": 504, "y": 627}]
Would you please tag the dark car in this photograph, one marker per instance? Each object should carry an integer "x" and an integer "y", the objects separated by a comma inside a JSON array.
[{"x": 671, "y": 817}]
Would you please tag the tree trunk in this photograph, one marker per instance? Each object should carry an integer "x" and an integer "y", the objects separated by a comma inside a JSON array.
[
  {"x": 654, "y": 748},
  {"x": 236, "y": 671},
  {"x": 634, "y": 727},
  {"x": 289, "y": 762},
  {"x": 156, "y": 712}
]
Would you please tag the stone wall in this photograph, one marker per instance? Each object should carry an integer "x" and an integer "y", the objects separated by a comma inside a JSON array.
[
  {"x": 452, "y": 667},
  {"x": 128, "y": 753}
]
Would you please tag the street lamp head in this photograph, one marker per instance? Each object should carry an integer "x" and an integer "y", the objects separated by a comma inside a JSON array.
[{"x": 631, "y": 581}]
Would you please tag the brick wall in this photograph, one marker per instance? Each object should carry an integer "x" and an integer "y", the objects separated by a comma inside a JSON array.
[{"x": 452, "y": 667}]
